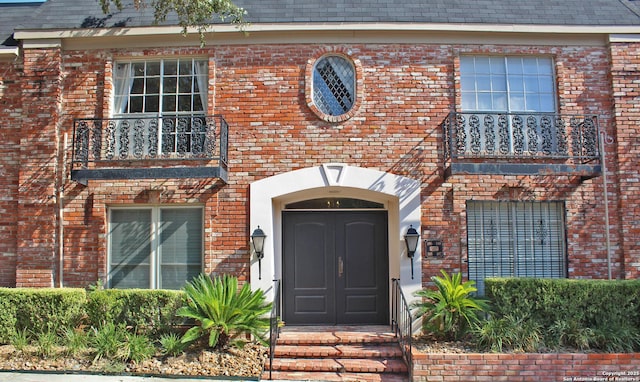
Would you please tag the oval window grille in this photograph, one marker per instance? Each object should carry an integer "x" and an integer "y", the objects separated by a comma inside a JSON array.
[{"x": 334, "y": 85}]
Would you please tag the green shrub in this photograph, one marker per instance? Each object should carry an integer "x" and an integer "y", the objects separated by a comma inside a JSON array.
[
  {"x": 570, "y": 334},
  {"x": 39, "y": 310},
  {"x": 508, "y": 333},
  {"x": 224, "y": 313},
  {"x": 450, "y": 311},
  {"x": 45, "y": 343},
  {"x": 617, "y": 338},
  {"x": 149, "y": 312},
  {"x": 136, "y": 348},
  {"x": 107, "y": 340},
  {"x": 582, "y": 314},
  {"x": 75, "y": 341},
  {"x": 20, "y": 340},
  {"x": 171, "y": 344}
]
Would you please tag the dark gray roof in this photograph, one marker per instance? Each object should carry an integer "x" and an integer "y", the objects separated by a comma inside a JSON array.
[
  {"x": 68, "y": 14},
  {"x": 11, "y": 15}
]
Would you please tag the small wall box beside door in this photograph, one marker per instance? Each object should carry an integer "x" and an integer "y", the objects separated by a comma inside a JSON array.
[{"x": 433, "y": 248}]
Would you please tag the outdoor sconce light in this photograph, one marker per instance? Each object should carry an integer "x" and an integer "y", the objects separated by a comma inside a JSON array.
[
  {"x": 411, "y": 239},
  {"x": 257, "y": 238}
]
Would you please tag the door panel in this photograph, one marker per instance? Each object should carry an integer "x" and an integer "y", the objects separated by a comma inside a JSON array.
[
  {"x": 362, "y": 289},
  {"x": 335, "y": 267},
  {"x": 309, "y": 270}
]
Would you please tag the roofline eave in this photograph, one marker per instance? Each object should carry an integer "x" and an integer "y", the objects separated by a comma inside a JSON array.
[
  {"x": 9, "y": 52},
  {"x": 30, "y": 34}
]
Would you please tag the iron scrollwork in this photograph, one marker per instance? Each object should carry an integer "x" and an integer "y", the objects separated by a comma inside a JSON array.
[
  {"x": 474, "y": 133},
  {"x": 461, "y": 135},
  {"x": 139, "y": 138},
  {"x": 489, "y": 134},
  {"x": 518, "y": 135},
  {"x": 534, "y": 135},
  {"x": 503, "y": 133}
]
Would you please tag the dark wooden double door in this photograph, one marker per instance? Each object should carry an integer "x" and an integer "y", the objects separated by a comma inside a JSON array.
[{"x": 335, "y": 267}]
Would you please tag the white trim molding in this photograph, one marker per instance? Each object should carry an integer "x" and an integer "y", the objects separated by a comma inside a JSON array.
[
  {"x": 400, "y": 196},
  {"x": 9, "y": 53}
]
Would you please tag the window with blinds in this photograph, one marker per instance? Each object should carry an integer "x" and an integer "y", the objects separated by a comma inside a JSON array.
[
  {"x": 515, "y": 239},
  {"x": 155, "y": 247}
]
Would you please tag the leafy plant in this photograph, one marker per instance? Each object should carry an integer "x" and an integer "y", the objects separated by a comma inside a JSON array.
[
  {"x": 75, "y": 341},
  {"x": 449, "y": 311},
  {"x": 46, "y": 342},
  {"x": 222, "y": 312},
  {"x": 617, "y": 338},
  {"x": 570, "y": 334},
  {"x": 107, "y": 340},
  {"x": 151, "y": 312},
  {"x": 136, "y": 348},
  {"x": 508, "y": 333},
  {"x": 20, "y": 340},
  {"x": 171, "y": 344}
]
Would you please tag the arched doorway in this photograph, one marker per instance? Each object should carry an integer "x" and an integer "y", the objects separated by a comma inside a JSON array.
[
  {"x": 398, "y": 206},
  {"x": 335, "y": 262}
]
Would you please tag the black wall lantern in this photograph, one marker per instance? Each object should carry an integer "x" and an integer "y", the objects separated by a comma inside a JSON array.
[
  {"x": 411, "y": 239},
  {"x": 257, "y": 238}
]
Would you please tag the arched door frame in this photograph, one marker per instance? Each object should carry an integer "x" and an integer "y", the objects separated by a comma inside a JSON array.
[{"x": 400, "y": 196}]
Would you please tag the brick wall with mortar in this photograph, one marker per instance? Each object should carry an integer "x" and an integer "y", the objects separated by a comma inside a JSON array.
[
  {"x": 625, "y": 77},
  {"x": 526, "y": 367},
  {"x": 10, "y": 110},
  {"x": 407, "y": 90},
  {"x": 39, "y": 177}
]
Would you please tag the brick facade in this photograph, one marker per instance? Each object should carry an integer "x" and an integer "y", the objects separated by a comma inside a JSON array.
[
  {"x": 626, "y": 89},
  {"x": 10, "y": 109},
  {"x": 525, "y": 367},
  {"x": 406, "y": 91}
]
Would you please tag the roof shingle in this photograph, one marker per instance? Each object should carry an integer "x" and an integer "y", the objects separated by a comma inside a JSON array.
[{"x": 72, "y": 14}]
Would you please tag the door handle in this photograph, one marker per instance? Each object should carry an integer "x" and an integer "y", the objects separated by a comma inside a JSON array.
[{"x": 340, "y": 266}]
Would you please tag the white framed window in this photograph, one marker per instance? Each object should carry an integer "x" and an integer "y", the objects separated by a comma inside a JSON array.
[
  {"x": 167, "y": 86},
  {"x": 334, "y": 85},
  {"x": 515, "y": 239},
  {"x": 507, "y": 83},
  {"x": 154, "y": 247},
  {"x": 160, "y": 107}
]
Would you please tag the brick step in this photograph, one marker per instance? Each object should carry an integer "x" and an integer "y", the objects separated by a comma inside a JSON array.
[
  {"x": 348, "y": 365},
  {"x": 334, "y": 337},
  {"x": 361, "y": 350},
  {"x": 334, "y": 377}
]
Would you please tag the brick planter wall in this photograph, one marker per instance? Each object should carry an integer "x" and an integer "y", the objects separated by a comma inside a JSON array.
[{"x": 524, "y": 367}]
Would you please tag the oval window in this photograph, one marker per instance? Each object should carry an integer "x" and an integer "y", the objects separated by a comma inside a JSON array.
[{"x": 334, "y": 85}]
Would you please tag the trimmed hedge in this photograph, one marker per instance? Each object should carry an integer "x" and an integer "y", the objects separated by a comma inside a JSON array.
[
  {"x": 600, "y": 310},
  {"x": 39, "y": 310},
  {"x": 149, "y": 312}
]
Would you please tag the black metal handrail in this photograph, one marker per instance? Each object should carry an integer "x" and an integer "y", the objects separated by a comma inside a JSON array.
[
  {"x": 402, "y": 323},
  {"x": 274, "y": 324},
  {"x": 521, "y": 135},
  {"x": 203, "y": 137}
]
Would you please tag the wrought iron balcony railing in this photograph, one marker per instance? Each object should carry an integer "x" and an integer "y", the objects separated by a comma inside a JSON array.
[
  {"x": 523, "y": 138},
  {"x": 102, "y": 145}
]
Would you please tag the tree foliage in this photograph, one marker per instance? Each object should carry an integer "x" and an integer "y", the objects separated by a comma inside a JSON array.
[{"x": 191, "y": 13}]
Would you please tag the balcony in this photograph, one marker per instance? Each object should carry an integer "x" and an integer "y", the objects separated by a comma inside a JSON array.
[
  {"x": 521, "y": 144},
  {"x": 148, "y": 147}
]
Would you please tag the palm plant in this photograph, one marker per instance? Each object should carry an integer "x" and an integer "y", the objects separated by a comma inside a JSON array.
[
  {"x": 451, "y": 310},
  {"x": 223, "y": 312}
]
